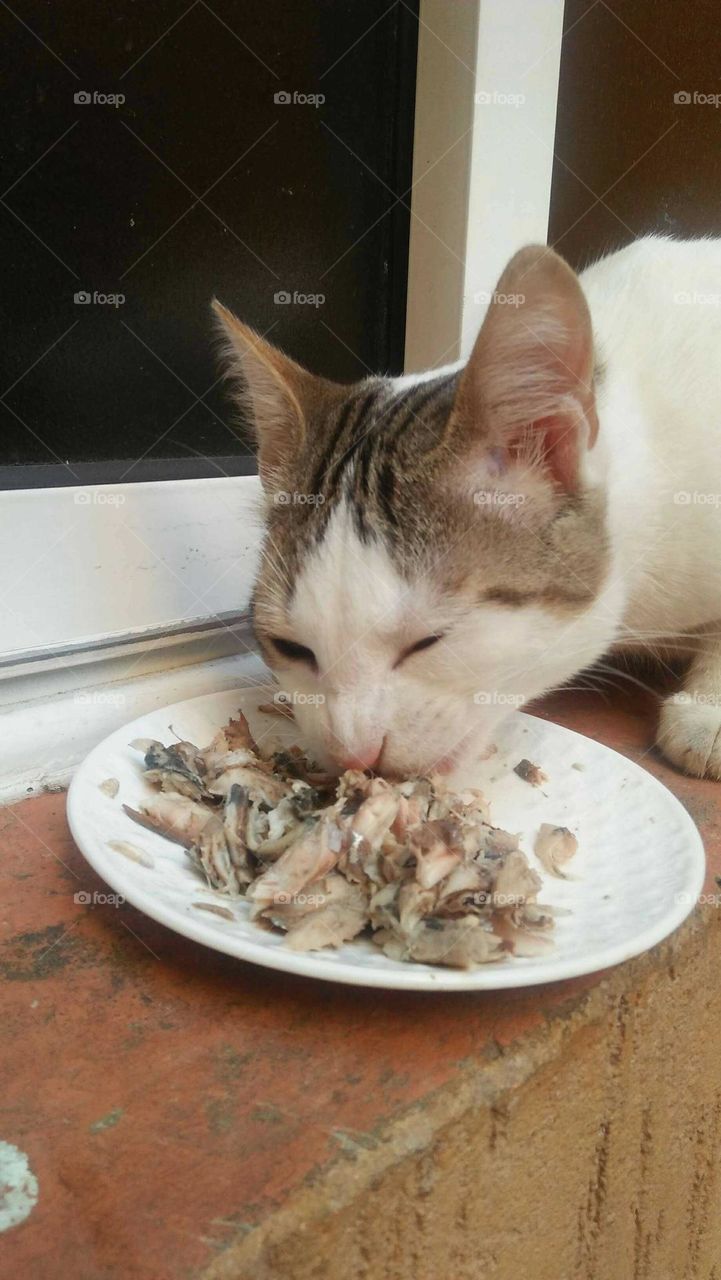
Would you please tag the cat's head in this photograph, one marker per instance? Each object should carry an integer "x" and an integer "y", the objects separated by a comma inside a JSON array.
[{"x": 435, "y": 550}]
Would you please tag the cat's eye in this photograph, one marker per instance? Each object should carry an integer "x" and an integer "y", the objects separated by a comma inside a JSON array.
[
  {"x": 419, "y": 645},
  {"x": 296, "y": 652}
]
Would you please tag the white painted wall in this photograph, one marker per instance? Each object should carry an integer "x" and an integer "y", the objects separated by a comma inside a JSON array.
[{"x": 78, "y": 564}]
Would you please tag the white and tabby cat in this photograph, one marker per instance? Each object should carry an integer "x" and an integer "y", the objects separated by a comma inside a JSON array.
[{"x": 441, "y": 547}]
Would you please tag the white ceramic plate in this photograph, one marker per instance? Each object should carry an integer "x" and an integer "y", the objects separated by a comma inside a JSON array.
[{"x": 637, "y": 875}]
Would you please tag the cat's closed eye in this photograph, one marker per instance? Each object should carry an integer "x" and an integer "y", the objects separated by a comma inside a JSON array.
[
  {"x": 424, "y": 643},
  {"x": 295, "y": 652}
]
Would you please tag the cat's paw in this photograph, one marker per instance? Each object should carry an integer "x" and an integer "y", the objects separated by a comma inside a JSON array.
[{"x": 689, "y": 733}]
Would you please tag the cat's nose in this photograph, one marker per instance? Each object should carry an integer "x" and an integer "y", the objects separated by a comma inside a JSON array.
[{"x": 363, "y": 758}]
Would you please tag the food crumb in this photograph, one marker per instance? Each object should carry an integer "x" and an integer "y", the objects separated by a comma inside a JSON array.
[
  {"x": 110, "y": 787},
  {"x": 214, "y": 909},
  {"x": 530, "y": 772},
  {"x": 130, "y": 851},
  {"x": 580, "y": 767},
  {"x": 554, "y": 847},
  {"x": 277, "y": 709}
]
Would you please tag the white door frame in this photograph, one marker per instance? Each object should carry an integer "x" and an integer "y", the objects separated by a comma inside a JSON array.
[{"x": 486, "y": 100}]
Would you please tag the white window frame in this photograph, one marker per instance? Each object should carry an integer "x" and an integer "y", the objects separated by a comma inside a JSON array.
[{"x": 118, "y": 598}]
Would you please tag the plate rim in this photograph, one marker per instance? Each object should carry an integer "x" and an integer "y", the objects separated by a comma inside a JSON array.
[{"x": 489, "y": 977}]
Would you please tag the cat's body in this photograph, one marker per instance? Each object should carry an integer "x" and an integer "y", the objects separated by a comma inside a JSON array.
[
  {"x": 656, "y": 314},
  {"x": 559, "y": 496}
]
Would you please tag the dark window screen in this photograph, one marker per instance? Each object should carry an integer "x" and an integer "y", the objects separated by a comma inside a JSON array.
[{"x": 204, "y": 180}]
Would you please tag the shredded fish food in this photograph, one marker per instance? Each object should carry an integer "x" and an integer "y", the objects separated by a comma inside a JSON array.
[{"x": 416, "y": 867}]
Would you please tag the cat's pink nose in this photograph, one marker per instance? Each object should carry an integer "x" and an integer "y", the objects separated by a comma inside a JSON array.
[{"x": 364, "y": 758}]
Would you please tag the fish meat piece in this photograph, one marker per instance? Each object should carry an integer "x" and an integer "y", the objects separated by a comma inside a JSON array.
[
  {"x": 237, "y": 734},
  {"x": 498, "y": 841},
  {"x": 374, "y": 818},
  {"x": 176, "y": 816},
  {"x": 271, "y": 832},
  {"x": 336, "y": 912},
  {"x": 203, "y": 833},
  {"x": 525, "y": 930},
  {"x": 260, "y": 785},
  {"x": 437, "y": 848},
  {"x": 472, "y": 803},
  {"x": 468, "y": 889},
  {"x": 173, "y": 768},
  {"x": 309, "y": 858},
  {"x": 176, "y": 781},
  {"x": 416, "y": 865},
  {"x": 554, "y": 847},
  {"x": 235, "y": 828},
  {"x": 516, "y": 881},
  {"x": 414, "y": 901},
  {"x": 211, "y": 855},
  {"x": 461, "y": 943},
  {"x": 233, "y": 736}
]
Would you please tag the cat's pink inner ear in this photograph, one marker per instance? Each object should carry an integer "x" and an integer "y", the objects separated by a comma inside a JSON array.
[
  {"x": 556, "y": 444},
  {"x": 527, "y": 389}
]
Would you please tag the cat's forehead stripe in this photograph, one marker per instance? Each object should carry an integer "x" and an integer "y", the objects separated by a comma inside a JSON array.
[
  {"x": 367, "y": 451},
  {"x": 343, "y": 437},
  {"x": 421, "y": 399}
]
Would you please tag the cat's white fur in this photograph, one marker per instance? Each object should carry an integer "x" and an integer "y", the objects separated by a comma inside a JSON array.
[{"x": 656, "y": 314}]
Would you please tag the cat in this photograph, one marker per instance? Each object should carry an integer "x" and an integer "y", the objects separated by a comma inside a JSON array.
[{"x": 442, "y": 548}]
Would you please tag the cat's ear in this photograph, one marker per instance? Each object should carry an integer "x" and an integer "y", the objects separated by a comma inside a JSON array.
[
  {"x": 527, "y": 395},
  {"x": 277, "y": 396}
]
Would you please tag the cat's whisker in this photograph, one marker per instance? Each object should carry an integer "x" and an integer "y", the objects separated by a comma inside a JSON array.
[{"x": 617, "y": 673}]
